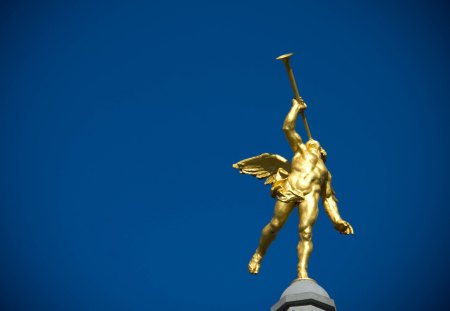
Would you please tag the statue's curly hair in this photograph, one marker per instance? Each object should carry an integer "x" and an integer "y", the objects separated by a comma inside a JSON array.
[{"x": 323, "y": 153}]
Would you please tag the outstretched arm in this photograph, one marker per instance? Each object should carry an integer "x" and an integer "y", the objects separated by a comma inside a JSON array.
[
  {"x": 330, "y": 205},
  {"x": 292, "y": 136}
]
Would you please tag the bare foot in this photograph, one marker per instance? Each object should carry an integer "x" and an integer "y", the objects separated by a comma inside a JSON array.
[{"x": 255, "y": 263}]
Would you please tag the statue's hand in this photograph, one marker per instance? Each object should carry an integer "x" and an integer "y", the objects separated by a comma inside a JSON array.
[
  {"x": 343, "y": 227},
  {"x": 300, "y": 103}
]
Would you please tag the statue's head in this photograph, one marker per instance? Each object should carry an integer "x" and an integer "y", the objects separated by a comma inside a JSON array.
[{"x": 313, "y": 146}]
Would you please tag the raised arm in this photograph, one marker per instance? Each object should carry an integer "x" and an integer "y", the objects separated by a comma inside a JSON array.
[
  {"x": 330, "y": 205},
  {"x": 292, "y": 136}
]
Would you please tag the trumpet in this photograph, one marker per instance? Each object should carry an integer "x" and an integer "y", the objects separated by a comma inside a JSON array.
[{"x": 285, "y": 59}]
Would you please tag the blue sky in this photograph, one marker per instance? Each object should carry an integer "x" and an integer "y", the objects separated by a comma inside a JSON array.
[{"x": 120, "y": 120}]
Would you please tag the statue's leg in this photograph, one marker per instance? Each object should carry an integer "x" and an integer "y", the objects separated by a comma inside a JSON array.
[
  {"x": 308, "y": 211},
  {"x": 281, "y": 214}
]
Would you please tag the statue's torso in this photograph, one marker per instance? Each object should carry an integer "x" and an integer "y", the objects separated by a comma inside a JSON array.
[{"x": 307, "y": 172}]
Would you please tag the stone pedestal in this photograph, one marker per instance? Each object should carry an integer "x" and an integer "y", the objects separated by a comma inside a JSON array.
[{"x": 304, "y": 295}]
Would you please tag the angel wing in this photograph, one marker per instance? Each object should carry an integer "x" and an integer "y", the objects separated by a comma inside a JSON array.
[{"x": 266, "y": 165}]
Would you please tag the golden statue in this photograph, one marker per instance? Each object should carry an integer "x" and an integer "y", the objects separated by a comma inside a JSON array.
[{"x": 296, "y": 184}]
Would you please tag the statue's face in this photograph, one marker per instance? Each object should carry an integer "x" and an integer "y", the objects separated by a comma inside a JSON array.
[{"x": 313, "y": 146}]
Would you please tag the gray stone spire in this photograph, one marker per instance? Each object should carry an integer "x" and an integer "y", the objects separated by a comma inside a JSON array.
[{"x": 304, "y": 295}]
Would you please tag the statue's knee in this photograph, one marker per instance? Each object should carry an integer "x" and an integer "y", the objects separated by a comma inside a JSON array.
[
  {"x": 306, "y": 234},
  {"x": 275, "y": 225}
]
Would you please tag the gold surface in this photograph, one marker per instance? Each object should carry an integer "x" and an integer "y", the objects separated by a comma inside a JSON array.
[
  {"x": 296, "y": 184},
  {"x": 285, "y": 59}
]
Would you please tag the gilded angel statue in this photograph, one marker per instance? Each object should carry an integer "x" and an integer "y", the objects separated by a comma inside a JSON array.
[{"x": 296, "y": 184}]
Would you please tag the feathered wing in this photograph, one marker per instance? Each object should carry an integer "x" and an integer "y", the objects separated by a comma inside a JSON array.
[{"x": 266, "y": 165}]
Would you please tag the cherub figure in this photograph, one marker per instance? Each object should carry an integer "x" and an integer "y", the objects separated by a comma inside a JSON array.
[{"x": 296, "y": 184}]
